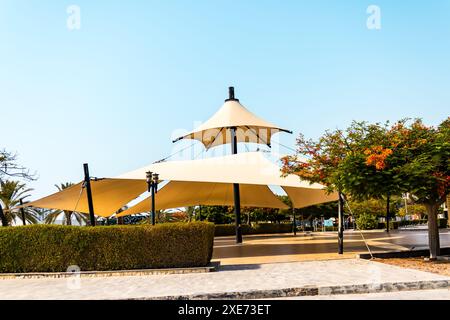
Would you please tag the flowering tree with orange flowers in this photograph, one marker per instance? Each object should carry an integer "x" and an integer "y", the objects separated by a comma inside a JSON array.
[
  {"x": 421, "y": 159},
  {"x": 379, "y": 160}
]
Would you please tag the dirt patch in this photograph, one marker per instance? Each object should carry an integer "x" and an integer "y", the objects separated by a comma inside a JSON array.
[{"x": 440, "y": 267}]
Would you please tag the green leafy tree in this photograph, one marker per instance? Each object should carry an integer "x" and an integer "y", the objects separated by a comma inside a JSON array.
[
  {"x": 409, "y": 157},
  {"x": 373, "y": 160},
  {"x": 423, "y": 161},
  {"x": 412, "y": 209},
  {"x": 217, "y": 214},
  {"x": 374, "y": 207}
]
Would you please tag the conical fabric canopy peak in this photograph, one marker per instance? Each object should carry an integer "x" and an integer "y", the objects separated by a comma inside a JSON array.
[{"x": 249, "y": 127}]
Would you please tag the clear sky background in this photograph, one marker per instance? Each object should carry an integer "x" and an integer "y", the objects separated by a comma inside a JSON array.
[{"x": 138, "y": 73}]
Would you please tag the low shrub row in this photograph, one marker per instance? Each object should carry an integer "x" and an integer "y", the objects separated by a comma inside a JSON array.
[
  {"x": 405, "y": 223},
  {"x": 50, "y": 248},
  {"x": 263, "y": 228},
  {"x": 393, "y": 225}
]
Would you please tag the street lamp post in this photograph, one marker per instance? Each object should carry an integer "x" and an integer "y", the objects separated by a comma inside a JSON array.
[{"x": 152, "y": 182}]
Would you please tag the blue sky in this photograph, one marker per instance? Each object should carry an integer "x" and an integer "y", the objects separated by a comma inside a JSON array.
[{"x": 115, "y": 92}]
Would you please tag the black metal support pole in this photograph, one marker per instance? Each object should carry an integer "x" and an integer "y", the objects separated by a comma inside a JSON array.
[
  {"x": 341, "y": 224},
  {"x": 22, "y": 212},
  {"x": 295, "y": 223},
  {"x": 237, "y": 196},
  {"x": 87, "y": 182},
  {"x": 388, "y": 213},
  {"x": 3, "y": 217},
  {"x": 153, "y": 203},
  {"x": 236, "y": 193}
]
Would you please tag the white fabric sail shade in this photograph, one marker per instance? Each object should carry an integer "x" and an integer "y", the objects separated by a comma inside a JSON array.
[
  {"x": 193, "y": 182},
  {"x": 249, "y": 127},
  {"x": 185, "y": 193},
  {"x": 109, "y": 195},
  {"x": 251, "y": 170}
]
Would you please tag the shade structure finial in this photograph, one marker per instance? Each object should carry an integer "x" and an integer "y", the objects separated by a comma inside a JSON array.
[{"x": 231, "y": 96}]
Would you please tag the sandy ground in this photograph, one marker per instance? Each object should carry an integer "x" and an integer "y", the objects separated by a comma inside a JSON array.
[{"x": 439, "y": 267}]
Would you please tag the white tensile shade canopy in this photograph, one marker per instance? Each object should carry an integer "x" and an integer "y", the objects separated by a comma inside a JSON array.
[
  {"x": 232, "y": 124},
  {"x": 193, "y": 182},
  {"x": 109, "y": 195},
  {"x": 186, "y": 193},
  {"x": 249, "y": 127}
]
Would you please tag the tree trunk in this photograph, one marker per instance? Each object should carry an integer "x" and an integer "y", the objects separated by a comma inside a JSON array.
[
  {"x": 3, "y": 217},
  {"x": 68, "y": 218},
  {"x": 433, "y": 230}
]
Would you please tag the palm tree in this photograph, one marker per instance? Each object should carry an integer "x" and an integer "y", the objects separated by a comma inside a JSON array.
[
  {"x": 67, "y": 214},
  {"x": 11, "y": 193},
  {"x": 190, "y": 212}
]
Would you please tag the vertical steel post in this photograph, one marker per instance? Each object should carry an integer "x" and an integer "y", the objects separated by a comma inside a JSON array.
[
  {"x": 22, "y": 212},
  {"x": 87, "y": 184},
  {"x": 236, "y": 193},
  {"x": 341, "y": 224},
  {"x": 388, "y": 213},
  {"x": 295, "y": 223}
]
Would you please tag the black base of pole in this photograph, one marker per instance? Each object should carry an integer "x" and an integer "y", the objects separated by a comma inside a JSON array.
[
  {"x": 341, "y": 225},
  {"x": 237, "y": 212},
  {"x": 341, "y": 243}
]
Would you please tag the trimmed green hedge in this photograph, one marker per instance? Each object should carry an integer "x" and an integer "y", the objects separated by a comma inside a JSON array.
[
  {"x": 405, "y": 223},
  {"x": 50, "y": 248},
  {"x": 263, "y": 228}
]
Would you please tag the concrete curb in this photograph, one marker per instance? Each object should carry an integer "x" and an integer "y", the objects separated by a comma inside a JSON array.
[
  {"x": 401, "y": 254},
  {"x": 213, "y": 266},
  {"x": 310, "y": 291}
]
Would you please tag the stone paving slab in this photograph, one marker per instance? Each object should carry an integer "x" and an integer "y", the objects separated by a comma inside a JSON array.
[
  {"x": 280, "y": 248},
  {"x": 300, "y": 276}
]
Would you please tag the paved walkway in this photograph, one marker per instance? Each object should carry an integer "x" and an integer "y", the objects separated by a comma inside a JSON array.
[
  {"x": 317, "y": 246},
  {"x": 239, "y": 278}
]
